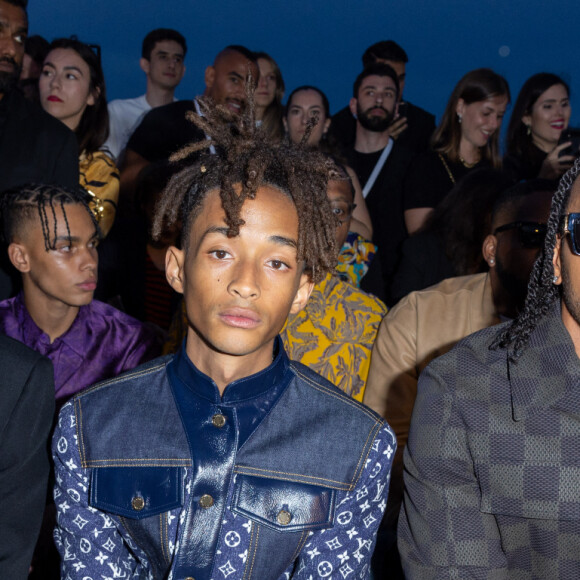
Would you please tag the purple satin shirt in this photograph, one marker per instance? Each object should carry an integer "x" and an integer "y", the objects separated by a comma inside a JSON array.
[{"x": 101, "y": 343}]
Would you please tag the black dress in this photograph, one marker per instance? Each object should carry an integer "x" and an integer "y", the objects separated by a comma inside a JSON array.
[{"x": 431, "y": 176}]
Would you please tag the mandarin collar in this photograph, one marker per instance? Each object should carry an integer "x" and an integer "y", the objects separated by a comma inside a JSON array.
[{"x": 237, "y": 391}]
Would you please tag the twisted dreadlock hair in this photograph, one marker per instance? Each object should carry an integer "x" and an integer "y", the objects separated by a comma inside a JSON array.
[
  {"x": 20, "y": 204},
  {"x": 542, "y": 292},
  {"x": 244, "y": 162}
]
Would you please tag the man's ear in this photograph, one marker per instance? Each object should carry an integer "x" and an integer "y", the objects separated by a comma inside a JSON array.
[
  {"x": 302, "y": 294},
  {"x": 352, "y": 106},
  {"x": 557, "y": 259},
  {"x": 174, "y": 262},
  {"x": 145, "y": 65},
  {"x": 18, "y": 255},
  {"x": 209, "y": 77},
  {"x": 488, "y": 249}
]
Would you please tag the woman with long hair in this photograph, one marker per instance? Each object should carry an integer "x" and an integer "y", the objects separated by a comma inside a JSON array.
[
  {"x": 268, "y": 97},
  {"x": 72, "y": 89},
  {"x": 540, "y": 116},
  {"x": 466, "y": 138}
]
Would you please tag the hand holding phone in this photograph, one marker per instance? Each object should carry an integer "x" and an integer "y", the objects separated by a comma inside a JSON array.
[{"x": 573, "y": 137}]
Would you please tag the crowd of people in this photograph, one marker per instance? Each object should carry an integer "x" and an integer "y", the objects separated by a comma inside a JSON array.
[{"x": 308, "y": 278}]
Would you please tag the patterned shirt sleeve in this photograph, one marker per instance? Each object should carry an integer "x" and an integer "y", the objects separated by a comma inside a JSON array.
[
  {"x": 89, "y": 542},
  {"x": 344, "y": 551}
]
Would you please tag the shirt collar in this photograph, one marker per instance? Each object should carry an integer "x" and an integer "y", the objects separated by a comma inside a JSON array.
[
  {"x": 74, "y": 337},
  {"x": 239, "y": 390}
]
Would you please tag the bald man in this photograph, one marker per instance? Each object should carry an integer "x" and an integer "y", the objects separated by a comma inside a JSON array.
[{"x": 164, "y": 130}]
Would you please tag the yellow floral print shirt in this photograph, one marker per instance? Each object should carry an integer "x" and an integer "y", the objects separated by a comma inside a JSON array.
[
  {"x": 99, "y": 174},
  {"x": 335, "y": 333}
]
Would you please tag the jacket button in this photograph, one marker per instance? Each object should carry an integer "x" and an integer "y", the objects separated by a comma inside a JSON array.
[
  {"x": 138, "y": 503},
  {"x": 189, "y": 578},
  {"x": 206, "y": 501},
  {"x": 284, "y": 517},
  {"x": 218, "y": 420}
]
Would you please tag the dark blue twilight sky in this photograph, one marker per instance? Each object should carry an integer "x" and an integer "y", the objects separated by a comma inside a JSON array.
[{"x": 320, "y": 42}]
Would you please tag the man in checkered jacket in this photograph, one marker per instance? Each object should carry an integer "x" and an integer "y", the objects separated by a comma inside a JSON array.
[{"x": 492, "y": 465}]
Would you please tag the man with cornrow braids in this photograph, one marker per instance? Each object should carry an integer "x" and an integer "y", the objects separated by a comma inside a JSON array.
[
  {"x": 52, "y": 239},
  {"x": 228, "y": 459},
  {"x": 492, "y": 469}
]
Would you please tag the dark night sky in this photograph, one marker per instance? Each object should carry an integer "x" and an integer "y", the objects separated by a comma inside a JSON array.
[{"x": 320, "y": 42}]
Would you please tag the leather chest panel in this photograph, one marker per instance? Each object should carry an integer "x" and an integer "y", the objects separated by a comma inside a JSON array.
[
  {"x": 136, "y": 492},
  {"x": 283, "y": 505}
]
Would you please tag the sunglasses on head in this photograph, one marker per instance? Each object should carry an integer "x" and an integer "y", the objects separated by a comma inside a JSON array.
[
  {"x": 570, "y": 224},
  {"x": 531, "y": 234}
]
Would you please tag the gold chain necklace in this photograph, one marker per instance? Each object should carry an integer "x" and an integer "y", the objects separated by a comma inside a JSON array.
[{"x": 447, "y": 168}]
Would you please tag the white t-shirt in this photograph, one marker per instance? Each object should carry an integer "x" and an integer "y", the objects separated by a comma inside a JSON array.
[{"x": 124, "y": 117}]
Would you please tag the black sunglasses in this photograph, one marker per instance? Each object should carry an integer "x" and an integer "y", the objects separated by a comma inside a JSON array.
[
  {"x": 531, "y": 234},
  {"x": 570, "y": 224}
]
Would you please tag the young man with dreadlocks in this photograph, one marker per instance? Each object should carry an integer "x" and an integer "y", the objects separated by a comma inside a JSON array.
[
  {"x": 227, "y": 459},
  {"x": 492, "y": 469},
  {"x": 52, "y": 239}
]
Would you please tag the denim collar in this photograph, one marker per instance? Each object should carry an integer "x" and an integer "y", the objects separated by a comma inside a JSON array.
[{"x": 237, "y": 391}]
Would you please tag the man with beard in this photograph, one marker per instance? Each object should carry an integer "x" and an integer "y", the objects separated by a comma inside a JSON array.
[
  {"x": 34, "y": 146},
  {"x": 412, "y": 126},
  {"x": 492, "y": 470},
  {"x": 426, "y": 324},
  {"x": 379, "y": 162}
]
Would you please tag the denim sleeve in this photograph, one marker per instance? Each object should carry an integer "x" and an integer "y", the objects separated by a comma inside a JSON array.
[
  {"x": 345, "y": 550},
  {"x": 90, "y": 543}
]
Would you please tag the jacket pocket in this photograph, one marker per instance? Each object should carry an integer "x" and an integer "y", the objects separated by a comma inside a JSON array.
[
  {"x": 283, "y": 505},
  {"x": 136, "y": 492}
]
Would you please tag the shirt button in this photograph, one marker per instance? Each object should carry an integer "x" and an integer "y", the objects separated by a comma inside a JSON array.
[
  {"x": 218, "y": 420},
  {"x": 138, "y": 503},
  {"x": 206, "y": 501},
  {"x": 284, "y": 517}
]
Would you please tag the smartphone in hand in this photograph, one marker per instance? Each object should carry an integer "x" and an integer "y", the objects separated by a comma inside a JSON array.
[{"x": 570, "y": 135}]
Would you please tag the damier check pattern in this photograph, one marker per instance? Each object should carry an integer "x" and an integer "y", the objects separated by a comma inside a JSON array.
[{"x": 492, "y": 467}]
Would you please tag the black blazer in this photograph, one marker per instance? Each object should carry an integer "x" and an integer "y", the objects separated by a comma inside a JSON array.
[{"x": 26, "y": 414}]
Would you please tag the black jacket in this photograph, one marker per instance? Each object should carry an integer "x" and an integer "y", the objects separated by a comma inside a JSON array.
[{"x": 26, "y": 413}]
